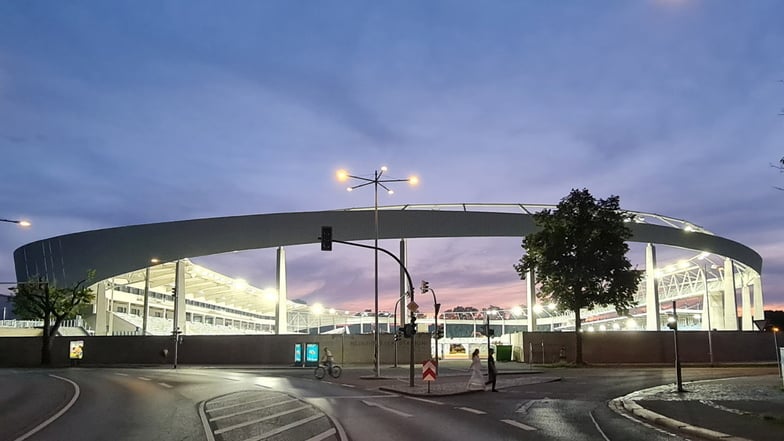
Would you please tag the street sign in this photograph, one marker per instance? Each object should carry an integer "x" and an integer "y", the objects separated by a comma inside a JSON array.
[
  {"x": 761, "y": 324},
  {"x": 429, "y": 371},
  {"x": 412, "y": 306}
]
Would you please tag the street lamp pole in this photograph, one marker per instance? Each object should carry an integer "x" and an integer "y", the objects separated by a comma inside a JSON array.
[{"x": 376, "y": 181}]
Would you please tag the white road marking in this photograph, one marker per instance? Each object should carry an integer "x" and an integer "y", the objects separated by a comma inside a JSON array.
[
  {"x": 323, "y": 435},
  {"x": 348, "y": 385},
  {"x": 424, "y": 400},
  {"x": 282, "y": 429},
  {"x": 518, "y": 424},
  {"x": 597, "y": 427},
  {"x": 468, "y": 409},
  {"x": 121, "y": 374},
  {"x": 259, "y": 420},
  {"x": 166, "y": 385},
  {"x": 524, "y": 408},
  {"x": 144, "y": 378},
  {"x": 388, "y": 409},
  {"x": 60, "y": 413},
  {"x": 243, "y": 403},
  {"x": 253, "y": 409},
  {"x": 350, "y": 397}
]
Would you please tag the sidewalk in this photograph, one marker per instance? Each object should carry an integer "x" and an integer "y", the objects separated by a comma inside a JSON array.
[{"x": 732, "y": 409}]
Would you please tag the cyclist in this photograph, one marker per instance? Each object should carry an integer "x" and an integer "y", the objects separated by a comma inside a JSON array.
[{"x": 328, "y": 359}]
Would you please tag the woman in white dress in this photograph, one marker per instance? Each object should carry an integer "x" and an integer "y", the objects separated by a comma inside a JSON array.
[{"x": 476, "y": 382}]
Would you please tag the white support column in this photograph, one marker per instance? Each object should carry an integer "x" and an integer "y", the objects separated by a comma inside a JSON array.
[
  {"x": 179, "y": 302},
  {"x": 403, "y": 283},
  {"x": 759, "y": 307},
  {"x": 101, "y": 314},
  {"x": 146, "y": 305},
  {"x": 730, "y": 302},
  {"x": 652, "y": 319},
  {"x": 530, "y": 286},
  {"x": 281, "y": 310},
  {"x": 745, "y": 295}
]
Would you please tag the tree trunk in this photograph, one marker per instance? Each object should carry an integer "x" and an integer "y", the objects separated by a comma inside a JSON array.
[
  {"x": 46, "y": 344},
  {"x": 50, "y": 330},
  {"x": 578, "y": 360}
]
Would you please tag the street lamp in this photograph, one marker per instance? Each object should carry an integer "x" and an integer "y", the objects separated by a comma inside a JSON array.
[
  {"x": 539, "y": 309},
  {"x": 318, "y": 309},
  {"x": 377, "y": 181},
  {"x": 22, "y": 223}
]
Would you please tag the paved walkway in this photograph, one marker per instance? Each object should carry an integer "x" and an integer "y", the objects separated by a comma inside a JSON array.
[{"x": 733, "y": 409}]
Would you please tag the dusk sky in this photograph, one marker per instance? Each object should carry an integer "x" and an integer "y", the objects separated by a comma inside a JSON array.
[{"x": 118, "y": 113}]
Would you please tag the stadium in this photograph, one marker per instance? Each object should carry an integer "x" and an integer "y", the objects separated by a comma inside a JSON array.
[{"x": 146, "y": 284}]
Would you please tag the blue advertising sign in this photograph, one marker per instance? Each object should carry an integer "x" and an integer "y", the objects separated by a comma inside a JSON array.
[
  {"x": 298, "y": 353},
  {"x": 312, "y": 353}
]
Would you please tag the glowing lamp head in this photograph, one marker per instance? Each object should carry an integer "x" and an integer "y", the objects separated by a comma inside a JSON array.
[{"x": 342, "y": 175}]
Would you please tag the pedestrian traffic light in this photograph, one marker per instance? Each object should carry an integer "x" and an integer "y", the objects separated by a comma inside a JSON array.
[
  {"x": 408, "y": 330},
  {"x": 425, "y": 286},
  {"x": 326, "y": 238}
]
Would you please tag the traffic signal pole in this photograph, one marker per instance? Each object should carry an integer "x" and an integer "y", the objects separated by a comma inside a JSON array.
[{"x": 326, "y": 245}]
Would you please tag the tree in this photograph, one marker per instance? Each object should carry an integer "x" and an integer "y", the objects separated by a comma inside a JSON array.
[
  {"x": 579, "y": 256},
  {"x": 38, "y": 299}
]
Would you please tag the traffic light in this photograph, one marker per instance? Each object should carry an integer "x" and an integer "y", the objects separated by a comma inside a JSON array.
[
  {"x": 672, "y": 324},
  {"x": 174, "y": 291},
  {"x": 440, "y": 332},
  {"x": 399, "y": 334},
  {"x": 490, "y": 331},
  {"x": 413, "y": 329},
  {"x": 425, "y": 286},
  {"x": 326, "y": 238}
]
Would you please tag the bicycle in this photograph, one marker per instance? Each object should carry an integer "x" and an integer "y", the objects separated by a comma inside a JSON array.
[{"x": 322, "y": 370}]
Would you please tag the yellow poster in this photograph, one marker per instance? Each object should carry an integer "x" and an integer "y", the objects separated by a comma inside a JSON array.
[{"x": 77, "y": 349}]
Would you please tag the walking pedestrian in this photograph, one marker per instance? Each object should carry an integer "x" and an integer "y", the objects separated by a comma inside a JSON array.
[
  {"x": 492, "y": 372},
  {"x": 476, "y": 382}
]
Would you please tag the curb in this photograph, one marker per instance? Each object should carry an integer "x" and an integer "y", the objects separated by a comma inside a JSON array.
[{"x": 661, "y": 420}]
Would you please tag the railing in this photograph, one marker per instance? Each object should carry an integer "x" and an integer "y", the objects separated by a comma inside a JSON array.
[{"x": 77, "y": 322}]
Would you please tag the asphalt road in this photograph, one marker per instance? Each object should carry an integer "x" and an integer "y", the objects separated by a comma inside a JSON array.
[{"x": 289, "y": 404}]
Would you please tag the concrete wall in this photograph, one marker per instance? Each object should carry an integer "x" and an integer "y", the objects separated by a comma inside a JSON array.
[
  {"x": 650, "y": 347},
  {"x": 541, "y": 347},
  {"x": 211, "y": 350}
]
